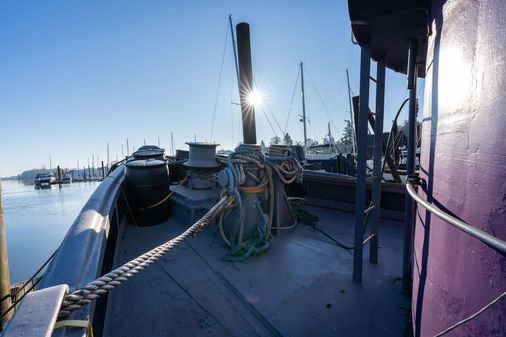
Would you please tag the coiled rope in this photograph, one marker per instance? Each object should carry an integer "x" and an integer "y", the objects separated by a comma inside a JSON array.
[
  {"x": 285, "y": 164},
  {"x": 249, "y": 162},
  {"x": 246, "y": 161},
  {"x": 103, "y": 284}
]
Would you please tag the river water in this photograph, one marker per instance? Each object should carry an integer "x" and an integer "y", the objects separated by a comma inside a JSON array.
[{"x": 37, "y": 220}]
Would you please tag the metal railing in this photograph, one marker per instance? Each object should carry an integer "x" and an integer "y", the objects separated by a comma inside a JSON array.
[{"x": 484, "y": 237}]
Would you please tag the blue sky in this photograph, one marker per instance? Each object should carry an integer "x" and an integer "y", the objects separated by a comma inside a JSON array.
[{"x": 76, "y": 75}]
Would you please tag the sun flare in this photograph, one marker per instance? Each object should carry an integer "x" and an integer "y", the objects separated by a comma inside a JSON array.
[{"x": 255, "y": 98}]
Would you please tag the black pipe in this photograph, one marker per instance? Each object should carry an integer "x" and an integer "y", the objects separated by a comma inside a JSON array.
[{"x": 246, "y": 83}]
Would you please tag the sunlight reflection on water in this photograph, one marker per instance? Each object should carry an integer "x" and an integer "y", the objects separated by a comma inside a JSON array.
[{"x": 37, "y": 220}]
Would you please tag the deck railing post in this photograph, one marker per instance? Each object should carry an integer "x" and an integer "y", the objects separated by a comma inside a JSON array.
[
  {"x": 4, "y": 272},
  {"x": 365, "y": 68}
]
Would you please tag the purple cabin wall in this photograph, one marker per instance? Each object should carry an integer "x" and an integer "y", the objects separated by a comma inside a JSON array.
[{"x": 463, "y": 163}]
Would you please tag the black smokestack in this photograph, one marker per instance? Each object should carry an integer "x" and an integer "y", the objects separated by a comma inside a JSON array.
[{"x": 246, "y": 83}]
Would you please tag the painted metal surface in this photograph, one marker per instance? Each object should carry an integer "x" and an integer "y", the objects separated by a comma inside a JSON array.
[
  {"x": 246, "y": 83},
  {"x": 82, "y": 254},
  {"x": 409, "y": 205},
  {"x": 78, "y": 260},
  {"x": 365, "y": 71},
  {"x": 463, "y": 164},
  {"x": 301, "y": 287},
  {"x": 377, "y": 169},
  {"x": 146, "y": 188},
  {"x": 388, "y": 26},
  {"x": 37, "y": 313},
  {"x": 336, "y": 191},
  {"x": 202, "y": 155}
]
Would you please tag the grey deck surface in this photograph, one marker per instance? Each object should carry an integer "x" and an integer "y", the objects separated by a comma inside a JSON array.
[{"x": 302, "y": 286}]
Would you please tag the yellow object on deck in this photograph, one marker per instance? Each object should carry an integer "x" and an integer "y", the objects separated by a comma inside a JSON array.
[{"x": 77, "y": 324}]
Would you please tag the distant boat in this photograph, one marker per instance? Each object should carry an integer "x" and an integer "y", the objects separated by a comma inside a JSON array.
[
  {"x": 43, "y": 180},
  {"x": 325, "y": 151},
  {"x": 67, "y": 179}
]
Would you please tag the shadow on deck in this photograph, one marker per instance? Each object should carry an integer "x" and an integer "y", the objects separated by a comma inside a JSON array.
[{"x": 302, "y": 286}]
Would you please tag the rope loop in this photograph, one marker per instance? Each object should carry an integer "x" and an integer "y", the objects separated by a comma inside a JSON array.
[{"x": 285, "y": 164}]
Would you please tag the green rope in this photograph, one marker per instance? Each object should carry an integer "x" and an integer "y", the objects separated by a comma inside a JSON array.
[
  {"x": 299, "y": 210},
  {"x": 244, "y": 250}
]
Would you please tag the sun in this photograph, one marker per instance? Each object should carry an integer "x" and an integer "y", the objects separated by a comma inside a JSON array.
[{"x": 255, "y": 98}]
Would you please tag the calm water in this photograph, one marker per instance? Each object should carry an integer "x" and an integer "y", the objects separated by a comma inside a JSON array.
[{"x": 37, "y": 220}]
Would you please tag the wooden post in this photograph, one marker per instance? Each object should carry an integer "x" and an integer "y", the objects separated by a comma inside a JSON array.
[
  {"x": 5, "y": 288},
  {"x": 58, "y": 171},
  {"x": 103, "y": 171}
]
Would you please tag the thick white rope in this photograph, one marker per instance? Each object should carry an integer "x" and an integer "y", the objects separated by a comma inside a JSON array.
[
  {"x": 246, "y": 164},
  {"x": 288, "y": 170},
  {"x": 94, "y": 289}
]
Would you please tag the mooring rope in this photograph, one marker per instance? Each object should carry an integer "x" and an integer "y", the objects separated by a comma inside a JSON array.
[
  {"x": 247, "y": 161},
  {"x": 103, "y": 284},
  {"x": 283, "y": 161},
  {"x": 158, "y": 203}
]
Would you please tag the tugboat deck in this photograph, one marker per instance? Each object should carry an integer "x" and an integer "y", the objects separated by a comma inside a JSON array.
[{"x": 302, "y": 286}]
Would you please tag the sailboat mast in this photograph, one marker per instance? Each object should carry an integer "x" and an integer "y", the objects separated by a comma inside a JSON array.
[
  {"x": 233, "y": 47},
  {"x": 108, "y": 155},
  {"x": 332, "y": 144},
  {"x": 172, "y": 149},
  {"x": 330, "y": 137},
  {"x": 303, "y": 105},
  {"x": 353, "y": 138}
]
